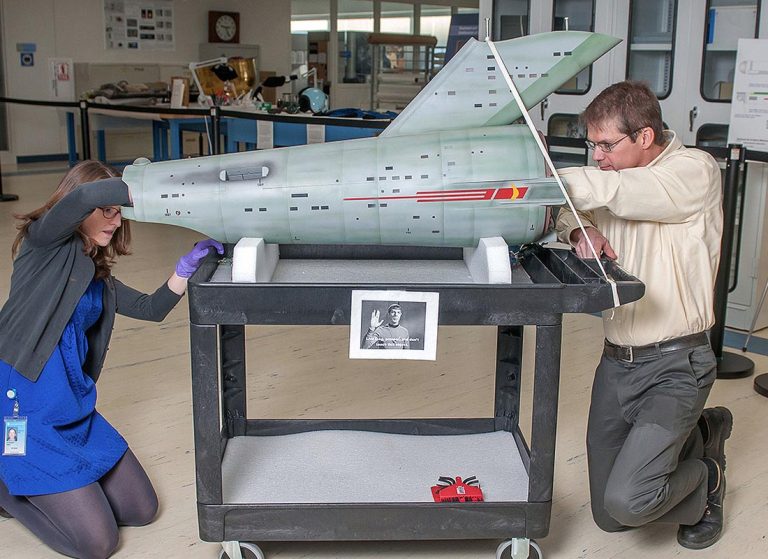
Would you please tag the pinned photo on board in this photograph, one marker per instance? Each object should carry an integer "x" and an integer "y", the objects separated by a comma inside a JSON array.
[{"x": 393, "y": 325}]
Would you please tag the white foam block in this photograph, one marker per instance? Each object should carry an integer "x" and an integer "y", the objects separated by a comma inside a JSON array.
[
  {"x": 489, "y": 262},
  {"x": 254, "y": 260}
]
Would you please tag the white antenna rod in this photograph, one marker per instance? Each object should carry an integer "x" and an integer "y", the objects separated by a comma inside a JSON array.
[{"x": 516, "y": 94}]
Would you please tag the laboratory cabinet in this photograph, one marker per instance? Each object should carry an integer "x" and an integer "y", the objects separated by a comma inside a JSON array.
[
  {"x": 749, "y": 265},
  {"x": 684, "y": 49}
]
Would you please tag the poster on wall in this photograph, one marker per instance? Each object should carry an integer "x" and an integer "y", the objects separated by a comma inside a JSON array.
[
  {"x": 749, "y": 104},
  {"x": 139, "y": 24},
  {"x": 62, "y": 80},
  {"x": 463, "y": 27}
]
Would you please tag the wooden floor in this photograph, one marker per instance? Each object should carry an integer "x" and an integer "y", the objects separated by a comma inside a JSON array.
[{"x": 145, "y": 393}]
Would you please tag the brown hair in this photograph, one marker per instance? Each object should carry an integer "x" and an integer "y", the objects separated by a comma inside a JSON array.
[
  {"x": 103, "y": 257},
  {"x": 632, "y": 105}
]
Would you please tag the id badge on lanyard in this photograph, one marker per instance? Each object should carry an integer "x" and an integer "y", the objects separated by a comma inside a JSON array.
[{"x": 14, "y": 430}]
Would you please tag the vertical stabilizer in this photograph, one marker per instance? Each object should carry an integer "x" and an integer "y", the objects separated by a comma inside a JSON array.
[{"x": 469, "y": 92}]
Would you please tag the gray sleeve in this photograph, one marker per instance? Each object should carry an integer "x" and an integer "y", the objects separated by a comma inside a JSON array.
[
  {"x": 60, "y": 222},
  {"x": 371, "y": 338},
  {"x": 135, "y": 304}
]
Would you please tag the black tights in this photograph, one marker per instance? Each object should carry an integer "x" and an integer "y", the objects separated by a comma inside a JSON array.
[{"x": 83, "y": 522}]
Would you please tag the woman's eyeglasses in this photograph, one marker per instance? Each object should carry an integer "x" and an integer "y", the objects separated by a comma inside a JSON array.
[
  {"x": 607, "y": 147},
  {"x": 110, "y": 212}
]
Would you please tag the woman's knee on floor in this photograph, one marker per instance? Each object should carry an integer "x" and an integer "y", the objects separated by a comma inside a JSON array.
[
  {"x": 143, "y": 511},
  {"x": 97, "y": 542}
]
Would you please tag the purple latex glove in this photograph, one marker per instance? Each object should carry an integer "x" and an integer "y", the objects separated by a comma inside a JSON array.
[{"x": 190, "y": 262}]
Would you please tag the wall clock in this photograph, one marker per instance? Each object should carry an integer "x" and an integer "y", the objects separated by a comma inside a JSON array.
[{"x": 223, "y": 27}]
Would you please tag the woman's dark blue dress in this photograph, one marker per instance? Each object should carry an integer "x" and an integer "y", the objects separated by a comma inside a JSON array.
[{"x": 69, "y": 444}]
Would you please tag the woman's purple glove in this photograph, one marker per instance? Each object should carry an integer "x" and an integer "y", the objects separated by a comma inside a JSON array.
[{"x": 190, "y": 262}]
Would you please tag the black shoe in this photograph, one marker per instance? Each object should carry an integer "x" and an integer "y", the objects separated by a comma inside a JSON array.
[
  {"x": 709, "y": 529},
  {"x": 4, "y": 513},
  {"x": 716, "y": 425}
]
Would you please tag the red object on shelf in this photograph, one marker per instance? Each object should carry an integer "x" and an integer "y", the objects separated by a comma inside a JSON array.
[{"x": 449, "y": 490}]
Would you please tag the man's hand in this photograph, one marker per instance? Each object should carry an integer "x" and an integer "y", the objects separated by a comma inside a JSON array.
[
  {"x": 375, "y": 322},
  {"x": 601, "y": 244}
]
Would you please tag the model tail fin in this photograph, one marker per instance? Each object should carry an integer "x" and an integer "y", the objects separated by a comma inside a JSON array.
[{"x": 469, "y": 92}]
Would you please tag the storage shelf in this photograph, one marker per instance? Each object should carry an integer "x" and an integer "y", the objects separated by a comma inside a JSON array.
[{"x": 368, "y": 467}]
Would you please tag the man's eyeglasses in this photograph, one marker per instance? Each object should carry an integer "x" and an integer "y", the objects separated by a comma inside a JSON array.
[
  {"x": 110, "y": 212},
  {"x": 607, "y": 147}
]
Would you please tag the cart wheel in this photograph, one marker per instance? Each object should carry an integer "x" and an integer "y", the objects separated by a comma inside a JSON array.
[
  {"x": 248, "y": 550},
  {"x": 504, "y": 551}
]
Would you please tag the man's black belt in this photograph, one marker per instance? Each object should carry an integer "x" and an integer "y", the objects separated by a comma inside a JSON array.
[{"x": 649, "y": 352}]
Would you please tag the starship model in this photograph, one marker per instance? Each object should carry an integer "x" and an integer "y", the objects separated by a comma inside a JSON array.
[{"x": 451, "y": 169}]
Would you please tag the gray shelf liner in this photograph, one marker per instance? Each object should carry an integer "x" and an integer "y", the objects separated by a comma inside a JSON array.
[
  {"x": 367, "y": 271},
  {"x": 341, "y": 466}
]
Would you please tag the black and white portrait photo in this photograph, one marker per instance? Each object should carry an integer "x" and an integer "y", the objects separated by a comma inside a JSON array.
[{"x": 393, "y": 325}]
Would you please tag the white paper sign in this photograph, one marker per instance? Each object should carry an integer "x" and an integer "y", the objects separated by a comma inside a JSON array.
[
  {"x": 749, "y": 105},
  {"x": 62, "y": 79}
]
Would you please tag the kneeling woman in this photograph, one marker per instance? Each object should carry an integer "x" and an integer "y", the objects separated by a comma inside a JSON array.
[{"x": 69, "y": 476}]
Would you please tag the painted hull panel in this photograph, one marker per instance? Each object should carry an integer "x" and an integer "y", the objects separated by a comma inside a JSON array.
[
  {"x": 438, "y": 189},
  {"x": 450, "y": 170}
]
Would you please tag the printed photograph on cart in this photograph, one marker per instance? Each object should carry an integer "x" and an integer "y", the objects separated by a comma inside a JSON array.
[{"x": 393, "y": 325}]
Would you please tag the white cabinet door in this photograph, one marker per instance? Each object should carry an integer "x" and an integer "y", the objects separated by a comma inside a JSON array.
[
  {"x": 575, "y": 95},
  {"x": 711, "y": 63},
  {"x": 558, "y": 114}
]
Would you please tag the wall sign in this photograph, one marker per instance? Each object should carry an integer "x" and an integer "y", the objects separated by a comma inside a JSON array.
[
  {"x": 26, "y": 54},
  {"x": 749, "y": 104},
  {"x": 139, "y": 24}
]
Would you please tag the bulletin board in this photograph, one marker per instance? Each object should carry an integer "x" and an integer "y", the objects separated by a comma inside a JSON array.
[
  {"x": 139, "y": 24},
  {"x": 749, "y": 105}
]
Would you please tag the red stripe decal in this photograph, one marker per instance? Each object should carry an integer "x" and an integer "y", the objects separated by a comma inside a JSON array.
[{"x": 460, "y": 195}]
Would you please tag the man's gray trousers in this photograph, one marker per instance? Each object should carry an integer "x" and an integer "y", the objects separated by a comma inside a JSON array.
[{"x": 643, "y": 444}]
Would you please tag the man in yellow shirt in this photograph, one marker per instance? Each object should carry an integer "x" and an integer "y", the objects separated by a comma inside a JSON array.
[{"x": 654, "y": 206}]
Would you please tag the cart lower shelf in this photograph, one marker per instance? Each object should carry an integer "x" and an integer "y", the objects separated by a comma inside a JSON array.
[{"x": 344, "y": 466}]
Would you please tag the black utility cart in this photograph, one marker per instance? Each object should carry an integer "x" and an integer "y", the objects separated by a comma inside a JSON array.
[{"x": 237, "y": 457}]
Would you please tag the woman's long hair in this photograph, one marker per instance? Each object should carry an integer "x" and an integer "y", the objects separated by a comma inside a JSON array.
[{"x": 103, "y": 257}]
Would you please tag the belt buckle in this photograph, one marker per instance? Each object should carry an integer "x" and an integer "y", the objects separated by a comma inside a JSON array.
[{"x": 631, "y": 355}]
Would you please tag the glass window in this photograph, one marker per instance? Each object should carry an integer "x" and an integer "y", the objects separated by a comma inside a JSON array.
[
  {"x": 652, "y": 27},
  {"x": 575, "y": 15},
  {"x": 396, "y": 17},
  {"x": 727, "y": 22},
  {"x": 355, "y": 23},
  {"x": 510, "y": 19},
  {"x": 435, "y": 20},
  {"x": 566, "y": 140},
  {"x": 712, "y": 135},
  {"x": 310, "y": 25},
  {"x": 310, "y": 15}
]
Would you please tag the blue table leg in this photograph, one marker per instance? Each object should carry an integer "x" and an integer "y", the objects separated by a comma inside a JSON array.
[
  {"x": 176, "y": 138},
  {"x": 159, "y": 140},
  {"x": 101, "y": 146},
  {"x": 71, "y": 140}
]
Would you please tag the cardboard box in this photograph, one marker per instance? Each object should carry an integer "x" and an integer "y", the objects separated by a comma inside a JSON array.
[
  {"x": 179, "y": 92},
  {"x": 725, "y": 90}
]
